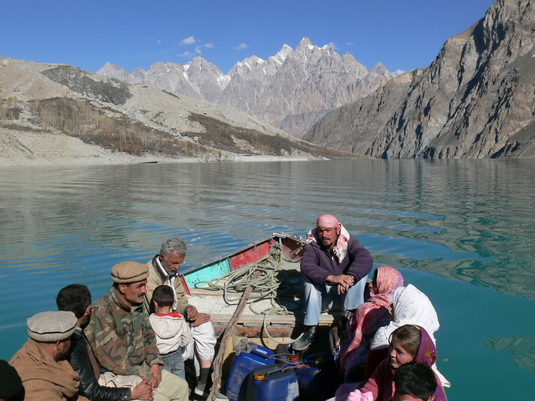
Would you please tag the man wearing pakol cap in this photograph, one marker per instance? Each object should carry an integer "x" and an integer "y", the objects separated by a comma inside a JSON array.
[
  {"x": 120, "y": 334},
  {"x": 336, "y": 267},
  {"x": 163, "y": 270},
  {"x": 41, "y": 362}
]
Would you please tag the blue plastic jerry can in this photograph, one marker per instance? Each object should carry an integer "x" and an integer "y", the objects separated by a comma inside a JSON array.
[
  {"x": 318, "y": 379},
  {"x": 240, "y": 368},
  {"x": 277, "y": 382}
]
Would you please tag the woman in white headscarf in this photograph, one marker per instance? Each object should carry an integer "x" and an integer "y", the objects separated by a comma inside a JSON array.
[{"x": 411, "y": 306}]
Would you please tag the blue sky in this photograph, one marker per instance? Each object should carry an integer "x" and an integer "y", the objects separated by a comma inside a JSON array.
[{"x": 88, "y": 33}]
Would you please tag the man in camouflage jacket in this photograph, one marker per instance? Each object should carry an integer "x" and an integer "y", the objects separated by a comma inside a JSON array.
[{"x": 122, "y": 338}]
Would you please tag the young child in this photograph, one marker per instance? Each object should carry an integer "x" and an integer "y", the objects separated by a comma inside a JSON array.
[
  {"x": 415, "y": 381},
  {"x": 171, "y": 329},
  {"x": 408, "y": 343}
]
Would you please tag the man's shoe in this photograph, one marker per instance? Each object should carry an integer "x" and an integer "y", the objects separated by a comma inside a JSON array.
[
  {"x": 202, "y": 391},
  {"x": 304, "y": 342},
  {"x": 199, "y": 389}
]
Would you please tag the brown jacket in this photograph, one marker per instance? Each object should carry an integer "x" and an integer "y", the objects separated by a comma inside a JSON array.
[
  {"x": 42, "y": 377},
  {"x": 156, "y": 278}
]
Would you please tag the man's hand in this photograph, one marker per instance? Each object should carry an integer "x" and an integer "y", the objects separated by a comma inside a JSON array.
[
  {"x": 143, "y": 391},
  {"x": 201, "y": 318},
  {"x": 156, "y": 375},
  {"x": 343, "y": 281},
  {"x": 191, "y": 313}
]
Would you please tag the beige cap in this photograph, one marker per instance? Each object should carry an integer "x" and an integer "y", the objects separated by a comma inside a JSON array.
[
  {"x": 129, "y": 272},
  {"x": 51, "y": 326}
]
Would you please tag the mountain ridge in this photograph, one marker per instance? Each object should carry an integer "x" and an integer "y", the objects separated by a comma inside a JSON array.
[
  {"x": 475, "y": 100},
  {"x": 290, "y": 90},
  {"x": 60, "y": 100}
]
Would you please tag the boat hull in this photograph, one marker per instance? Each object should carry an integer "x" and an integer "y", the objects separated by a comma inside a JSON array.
[{"x": 291, "y": 246}]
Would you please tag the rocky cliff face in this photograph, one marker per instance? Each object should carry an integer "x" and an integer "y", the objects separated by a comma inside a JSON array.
[
  {"x": 290, "y": 90},
  {"x": 476, "y": 100}
]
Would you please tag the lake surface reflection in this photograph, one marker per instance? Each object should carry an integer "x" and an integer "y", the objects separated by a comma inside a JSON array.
[{"x": 460, "y": 230}]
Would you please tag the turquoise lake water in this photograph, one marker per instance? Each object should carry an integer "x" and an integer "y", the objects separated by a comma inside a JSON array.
[{"x": 462, "y": 231}]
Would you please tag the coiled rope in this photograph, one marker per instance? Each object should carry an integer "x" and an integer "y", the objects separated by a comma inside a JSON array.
[{"x": 273, "y": 283}]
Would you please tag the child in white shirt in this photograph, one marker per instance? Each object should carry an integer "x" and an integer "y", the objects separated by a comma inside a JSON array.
[{"x": 172, "y": 331}]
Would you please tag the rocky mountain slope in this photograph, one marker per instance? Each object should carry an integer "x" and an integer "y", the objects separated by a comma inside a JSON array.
[
  {"x": 58, "y": 99},
  {"x": 476, "y": 100},
  {"x": 290, "y": 90}
]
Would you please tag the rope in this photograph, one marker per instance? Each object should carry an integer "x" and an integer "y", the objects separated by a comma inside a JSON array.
[{"x": 274, "y": 282}]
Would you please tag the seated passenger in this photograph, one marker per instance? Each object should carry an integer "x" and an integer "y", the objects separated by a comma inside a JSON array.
[
  {"x": 336, "y": 267},
  {"x": 164, "y": 269},
  {"x": 373, "y": 314},
  {"x": 94, "y": 384},
  {"x": 415, "y": 381},
  {"x": 42, "y": 363},
  {"x": 119, "y": 332},
  {"x": 409, "y": 343},
  {"x": 411, "y": 306}
]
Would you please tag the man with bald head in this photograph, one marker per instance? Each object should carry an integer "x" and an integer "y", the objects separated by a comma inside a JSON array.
[{"x": 336, "y": 267}]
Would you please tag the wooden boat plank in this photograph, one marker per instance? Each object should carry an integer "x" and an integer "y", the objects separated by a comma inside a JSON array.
[{"x": 226, "y": 341}]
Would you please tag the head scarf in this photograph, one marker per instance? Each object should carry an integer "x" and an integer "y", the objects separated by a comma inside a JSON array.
[
  {"x": 327, "y": 220},
  {"x": 369, "y": 317},
  {"x": 427, "y": 353},
  {"x": 388, "y": 281}
]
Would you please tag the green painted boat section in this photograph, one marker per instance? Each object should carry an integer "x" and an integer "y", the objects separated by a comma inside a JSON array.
[{"x": 208, "y": 272}]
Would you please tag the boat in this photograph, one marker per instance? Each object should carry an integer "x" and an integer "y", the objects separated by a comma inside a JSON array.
[
  {"x": 280, "y": 254},
  {"x": 253, "y": 294}
]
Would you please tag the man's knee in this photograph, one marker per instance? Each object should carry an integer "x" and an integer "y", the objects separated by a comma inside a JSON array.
[
  {"x": 205, "y": 330},
  {"x": 355, "y": 295},
  {"x": 171, "y": 388},
  {"x": 205, "y": 340}
]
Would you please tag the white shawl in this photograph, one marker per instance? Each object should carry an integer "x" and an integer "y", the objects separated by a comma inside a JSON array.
[{"x": 411, "y": 306}]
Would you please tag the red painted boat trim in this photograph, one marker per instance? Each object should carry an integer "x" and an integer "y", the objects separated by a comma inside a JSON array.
[
  {"x": 185, "y": 285},
  {"x": 250, "y": 256}
]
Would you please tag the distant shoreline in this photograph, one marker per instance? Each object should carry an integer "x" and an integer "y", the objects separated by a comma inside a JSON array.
[
  {"x": 130, "y": 160},
  {"x": 25, "y": 149}
]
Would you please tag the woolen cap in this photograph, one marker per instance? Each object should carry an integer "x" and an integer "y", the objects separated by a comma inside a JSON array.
[
  {"x": 51, "y": 326},
  {"x": 129, "y": 272},
  {"x": 10, "y": 383}
]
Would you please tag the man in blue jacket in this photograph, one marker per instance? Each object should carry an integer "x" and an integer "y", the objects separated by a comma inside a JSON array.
[{"x": 336, "y": 267}]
